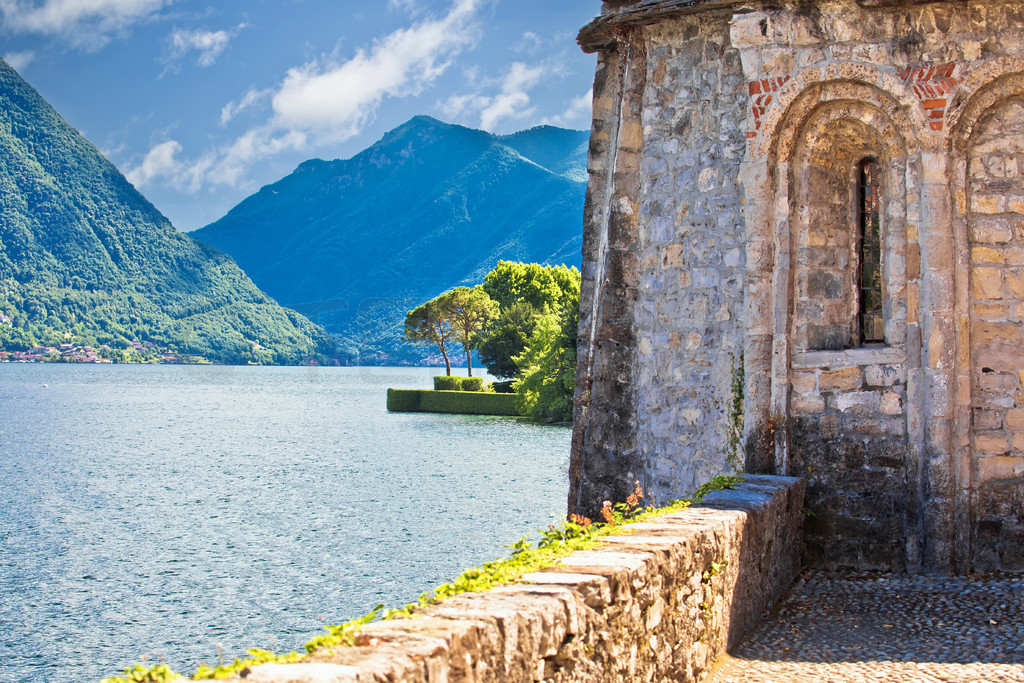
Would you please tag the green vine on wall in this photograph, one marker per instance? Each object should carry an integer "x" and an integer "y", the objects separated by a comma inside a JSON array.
[{"x": 734, "y": 439}]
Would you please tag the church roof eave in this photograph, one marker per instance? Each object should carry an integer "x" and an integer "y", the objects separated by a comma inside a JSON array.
[{"x": 601, "y": 34}]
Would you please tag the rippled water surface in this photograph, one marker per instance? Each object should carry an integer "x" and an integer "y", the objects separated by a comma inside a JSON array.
[{"x": 161, "y": 512}]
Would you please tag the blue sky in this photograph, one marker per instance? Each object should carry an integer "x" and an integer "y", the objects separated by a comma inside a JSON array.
[{"x": 201, "y": 103}]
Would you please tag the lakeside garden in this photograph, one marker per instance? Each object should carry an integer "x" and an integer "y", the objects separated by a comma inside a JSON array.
[{"x": 522, "y": 323}]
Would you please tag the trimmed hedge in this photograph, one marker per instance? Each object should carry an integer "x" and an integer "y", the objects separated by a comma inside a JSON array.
[
  {"x": 472, "y": 383},
  {"x": 403, "y": 400},
  {"x": 469, "y": 403},
  {"x": 447, "y": 383},
  {"x": 460, "y": 402},
  {"x": 456, "y": 383}
]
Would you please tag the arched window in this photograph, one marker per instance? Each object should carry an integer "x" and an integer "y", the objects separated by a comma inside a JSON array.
[{"x": 869, "y": 277}]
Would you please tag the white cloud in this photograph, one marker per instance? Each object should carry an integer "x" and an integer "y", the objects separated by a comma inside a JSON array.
[
  {"x": 530, "y": 42},
  {"x": 229, "y": 165},
  {"x": 234, "y": 108},
  {"x": 512, "y": 102},
  {"x": 335, "y": 100},
  {"x": 409, "y": 6},
  {"x": 209, "y": 44},
  {"x": 324, "y": 100},
  {"x": 159, "y": 161},
  {"x": 85, "y": 23},
  {"x": 19, "y": 60},
  {"x": 577, "y": 113}
]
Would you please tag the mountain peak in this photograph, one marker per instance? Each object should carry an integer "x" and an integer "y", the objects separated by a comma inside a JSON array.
[{"x": 429, "y": 206}]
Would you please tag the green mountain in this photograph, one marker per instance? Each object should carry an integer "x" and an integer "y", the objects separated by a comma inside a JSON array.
[
  {"x": 84, "y": 256},
  {"x": 356, "y": 243}
]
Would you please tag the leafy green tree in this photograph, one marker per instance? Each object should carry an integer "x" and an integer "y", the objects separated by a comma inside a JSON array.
[
  {"x": 468, "y": 310},
  {"x": 506, "y": 338},
  {"x": 537, "y": 285},
  {"x": 431, "y": 324},
  {"x": 524, "y": 291},
  {"x": 548, "y": 366}
]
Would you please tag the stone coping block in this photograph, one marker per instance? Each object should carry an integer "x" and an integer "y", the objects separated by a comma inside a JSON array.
[
  {"x": 661, "y": 603},
  {"x": 848, "y": 358}
]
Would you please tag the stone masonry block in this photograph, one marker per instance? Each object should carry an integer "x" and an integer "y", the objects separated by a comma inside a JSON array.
[
  {"x": 992, "y": 311},
  {"x": 1015, "y": 420},
  {"x": 991, "y": 443},
  {"x": 989, "y": 204},
  {"x": 986, "y": 255},
  {"x": 804, "y": 382},
  {"x": 885, "y": 375},
  {"x": 997, "y": 383},
  {"x": 987, "y": 283},
  {"x": 1000, "y": 468},
  {"x": 994, "y": 333},
  {"x": 892, "y": 403},
  {"x": 991, "y": 232},
  {"x": 632, "y": 136},
  {"x": 672, "y": 256},
  {"x": 856, "y": 402},
  {"x": 844, "y": 379},
  {"x": 807, "y": 405},
  {"x": 1014, "y": 283}
]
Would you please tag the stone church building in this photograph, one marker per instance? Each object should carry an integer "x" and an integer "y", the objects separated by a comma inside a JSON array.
[{"x": 804, "y": 255}]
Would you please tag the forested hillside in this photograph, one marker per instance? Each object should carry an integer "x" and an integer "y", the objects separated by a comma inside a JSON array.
[
  {"x": 357, "y": 243},
  {"x": 84, "y": 256}
]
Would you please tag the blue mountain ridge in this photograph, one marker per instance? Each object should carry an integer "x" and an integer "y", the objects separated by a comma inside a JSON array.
[{"x": 355, "y": 243}]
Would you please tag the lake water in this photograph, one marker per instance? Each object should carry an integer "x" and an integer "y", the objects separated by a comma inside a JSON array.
[{"x": 163, "y": 512}]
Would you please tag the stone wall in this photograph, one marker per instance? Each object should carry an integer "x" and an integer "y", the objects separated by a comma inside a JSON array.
[
  {"x": 848, "y": 443},
  {"x": 604, "y": 414},
  {"x": 995, "y": 215},
  {"x": 868, "y": 427},
  {"x": 663, "y": 265},
  {"x": 662, "y": 603},
  {"x": 743, "y": 242},
  {"x": 688, "y": 316}
]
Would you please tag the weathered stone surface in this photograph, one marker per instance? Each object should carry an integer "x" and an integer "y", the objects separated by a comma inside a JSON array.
[
  {"x": 997, "y": 404},
  {"x": 661, "y": 603},
  {"x": 757, "y": 120}
]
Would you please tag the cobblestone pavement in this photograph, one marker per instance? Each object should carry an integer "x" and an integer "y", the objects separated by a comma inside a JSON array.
[{"x": 854, "y": 627}]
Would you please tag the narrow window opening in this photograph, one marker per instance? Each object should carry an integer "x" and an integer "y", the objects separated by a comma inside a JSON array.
[{"x": 870, "y": 306}]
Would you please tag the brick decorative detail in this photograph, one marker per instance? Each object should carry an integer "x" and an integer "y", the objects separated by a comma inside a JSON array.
[
  {"x": 933, "y": 84},
  {"x": 761, "y": 95}
]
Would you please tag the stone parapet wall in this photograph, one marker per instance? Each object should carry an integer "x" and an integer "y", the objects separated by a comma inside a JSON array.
[{"x": 661, "y": 603}]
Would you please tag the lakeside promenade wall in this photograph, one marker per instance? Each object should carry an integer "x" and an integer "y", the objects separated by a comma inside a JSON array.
[{"x": 662, "y": 602}]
